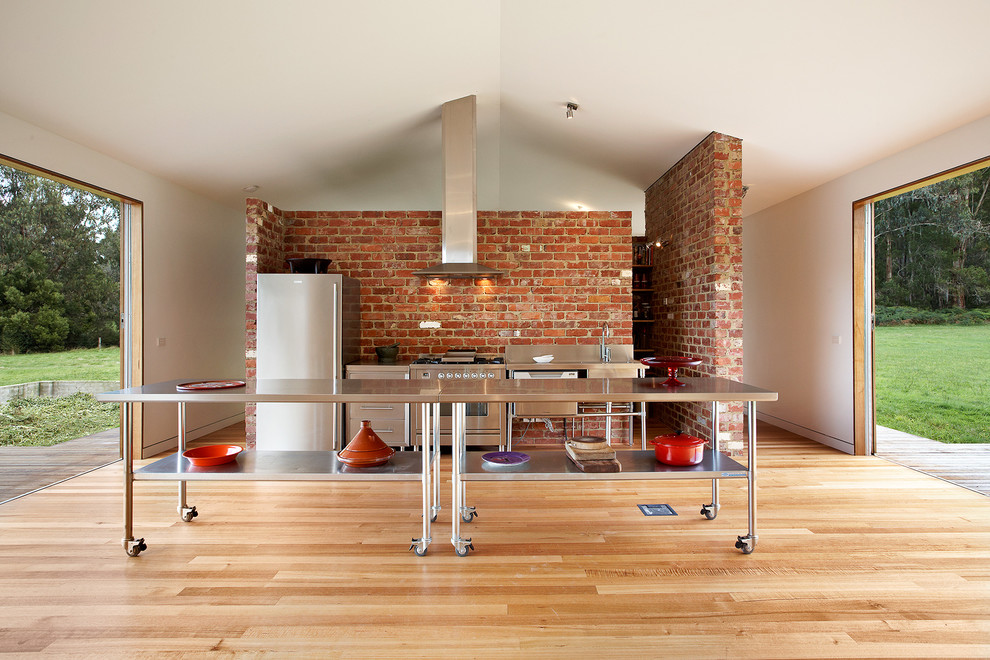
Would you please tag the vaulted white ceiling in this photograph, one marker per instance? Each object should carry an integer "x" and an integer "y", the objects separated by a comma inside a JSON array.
[{"x": 328, "y": 104}]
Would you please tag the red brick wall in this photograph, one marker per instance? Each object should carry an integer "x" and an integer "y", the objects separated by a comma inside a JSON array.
[
  {"x": 563, "y": 275},
  {"x": 264, "y": 253},
  {"x": 697, "y": 207}
]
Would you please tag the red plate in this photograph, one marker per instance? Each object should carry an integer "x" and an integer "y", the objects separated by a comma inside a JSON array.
[
  {"x": 212, "y": 454},
  {"x": 199, "y": 385}
]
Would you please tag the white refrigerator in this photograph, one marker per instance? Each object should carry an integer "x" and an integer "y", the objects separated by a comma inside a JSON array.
[{"x": 309, "y": 326}]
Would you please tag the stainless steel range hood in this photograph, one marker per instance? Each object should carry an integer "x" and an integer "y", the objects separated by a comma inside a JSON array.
[{"x": 459, "y": 258}]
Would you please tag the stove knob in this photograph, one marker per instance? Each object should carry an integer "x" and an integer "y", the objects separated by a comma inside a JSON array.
[
  {"x": 474, "y": 374},
  {"x": 457, "y": 375},
  {"x": 491, "y": 374},
  {"x": 450, "y": 375},
  {"x": 440, "y": 375}
]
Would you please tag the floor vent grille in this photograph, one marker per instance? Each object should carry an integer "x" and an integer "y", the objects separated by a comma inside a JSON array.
[{"x": 657, "y": 510}]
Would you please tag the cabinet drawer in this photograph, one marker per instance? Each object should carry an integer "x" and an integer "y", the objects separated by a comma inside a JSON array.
[
  {"x": 376, "y": 411},
  {"x": 391, "y": 431},
  {"x": 377, "y": 372}
]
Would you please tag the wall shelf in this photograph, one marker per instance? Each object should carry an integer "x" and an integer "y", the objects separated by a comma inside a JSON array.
[{"x": 643, "y": 309}]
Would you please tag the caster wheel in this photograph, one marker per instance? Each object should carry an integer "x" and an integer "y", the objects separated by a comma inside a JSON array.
[
  {"x": 463, "y": 552},
  {"x": 746, "y": 547},
  {"x": 189, "y": 514},
  {"x": 419, "y": 552},
  {"x": 709, "y": 512},
  {"x": 433, "y": 518},
  {"x": 137, "y": 548},
  {"x": 469, "y": 516}
]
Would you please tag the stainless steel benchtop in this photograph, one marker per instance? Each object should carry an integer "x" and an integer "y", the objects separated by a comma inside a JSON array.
[
  {"x": 586, "y": 390},
  {"x": 589, "y": 390},
  {"x": 297, "y": 390}
]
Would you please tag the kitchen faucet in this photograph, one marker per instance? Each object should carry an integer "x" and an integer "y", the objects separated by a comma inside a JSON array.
[{"x": 606, "y": 352}]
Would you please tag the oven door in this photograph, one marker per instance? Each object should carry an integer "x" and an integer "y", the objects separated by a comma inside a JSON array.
[{"x": 484, "y": 422}]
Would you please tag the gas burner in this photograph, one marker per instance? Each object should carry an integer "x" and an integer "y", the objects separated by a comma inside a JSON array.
[{"x": 456, "y": 360}]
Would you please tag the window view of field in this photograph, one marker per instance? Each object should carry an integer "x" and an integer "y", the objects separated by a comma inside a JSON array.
[
  {"x": 59, "y": 316},
  {"x": 932, "y": 340}
]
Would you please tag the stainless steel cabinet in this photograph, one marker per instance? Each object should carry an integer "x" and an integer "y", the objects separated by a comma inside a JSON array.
[{"x": 391, "y": 421}]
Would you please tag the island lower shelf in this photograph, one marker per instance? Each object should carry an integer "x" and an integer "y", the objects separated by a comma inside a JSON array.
[
  {"x": 284, "y": 466},
  {"x": 553, "y": 465}
]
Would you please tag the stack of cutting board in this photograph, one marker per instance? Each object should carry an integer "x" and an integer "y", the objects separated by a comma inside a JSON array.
[{"x": 592, "y": 454}]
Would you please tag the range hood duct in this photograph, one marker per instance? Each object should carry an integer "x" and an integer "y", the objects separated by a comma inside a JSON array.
[{"x": 459, "y": 220}]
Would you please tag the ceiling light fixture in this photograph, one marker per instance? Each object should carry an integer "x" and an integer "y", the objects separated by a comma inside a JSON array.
[
  {"x": 571, "y": 107},
  {"x": 250, "y": 189}
]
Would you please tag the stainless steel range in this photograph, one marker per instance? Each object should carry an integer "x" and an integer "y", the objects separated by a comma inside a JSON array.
[{"x": 485, "y": 421}]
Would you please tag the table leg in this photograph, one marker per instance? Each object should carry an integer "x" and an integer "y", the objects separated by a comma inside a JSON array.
[
  {"x": 608, "y": 423},
  {"x": 186, "y": 512},
  {"x": 748, "y": 543},
  {"x": 710, "y": 511},
  {"x": 510, "y": 417},
  {"x": 422, "y": 544},
  {"x": 642, "y": 423},
  {"x": 458, "y": 445},
  {"x": 133, "y": 547},
  {"x": 435, "y": 407}
]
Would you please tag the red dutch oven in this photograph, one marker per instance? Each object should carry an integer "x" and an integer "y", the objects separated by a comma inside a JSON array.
[{"x": 679, "y": 449}]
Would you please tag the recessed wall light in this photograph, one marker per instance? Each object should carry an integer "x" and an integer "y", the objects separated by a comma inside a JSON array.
[{"x": 571, "y": 107}]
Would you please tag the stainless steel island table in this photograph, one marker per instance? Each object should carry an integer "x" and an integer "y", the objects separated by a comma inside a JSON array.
[
  {"x": 469, "y": 466},
  {"x": 422, "y": 465}
]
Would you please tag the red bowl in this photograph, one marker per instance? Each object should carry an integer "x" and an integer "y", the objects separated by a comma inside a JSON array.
[
  {"x": 666, "y": 361},
  {"x": 671, "y": 363},
  {"x": 679, "y": 449},
  {"x": 212, "y": 454}
]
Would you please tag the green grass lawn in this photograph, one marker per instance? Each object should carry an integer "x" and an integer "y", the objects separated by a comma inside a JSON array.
[
  {"x": 79, "y": 364},
  {"x": 934, "y": 381},
  {"x": 44, "y": 421}
]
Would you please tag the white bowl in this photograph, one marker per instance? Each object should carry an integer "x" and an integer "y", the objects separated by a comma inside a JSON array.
[{"x": 543, "y": 358}]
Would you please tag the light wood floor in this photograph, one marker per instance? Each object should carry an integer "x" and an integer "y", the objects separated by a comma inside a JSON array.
[{"x": 857, "y": 558}]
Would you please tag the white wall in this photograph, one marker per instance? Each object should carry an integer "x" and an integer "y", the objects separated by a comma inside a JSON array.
[
  {"x": 797, "y": 273},
  {"x": 193, "y": 271}
]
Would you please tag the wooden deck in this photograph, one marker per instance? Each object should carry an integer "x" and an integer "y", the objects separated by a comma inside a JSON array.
[
  {"x": 25, "y": 469},
  {"x": 967, "y": 465},
  {"x": 857, "y": 558}
]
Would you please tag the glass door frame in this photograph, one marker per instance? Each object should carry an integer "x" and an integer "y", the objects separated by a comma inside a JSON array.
[
  {"x": 131, "y": 289},
  {"x": 864, "y": 317}
]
